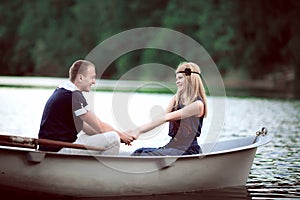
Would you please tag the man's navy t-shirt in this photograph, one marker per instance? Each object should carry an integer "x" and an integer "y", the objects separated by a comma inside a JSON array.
[{"x": 60, "y": 120}]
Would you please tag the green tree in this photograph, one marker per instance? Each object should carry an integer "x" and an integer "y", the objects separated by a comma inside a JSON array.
[{"x": 8, "y": 34}]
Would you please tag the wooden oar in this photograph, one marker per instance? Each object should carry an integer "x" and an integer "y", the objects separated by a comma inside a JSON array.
[{"x": 18, "y": 141}]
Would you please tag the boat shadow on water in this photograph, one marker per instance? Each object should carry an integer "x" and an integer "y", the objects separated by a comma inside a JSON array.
[{"x": 239, "y": 192}]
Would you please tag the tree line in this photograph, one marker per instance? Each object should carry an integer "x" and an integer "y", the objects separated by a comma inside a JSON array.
[{"x": 255, "y": 37}]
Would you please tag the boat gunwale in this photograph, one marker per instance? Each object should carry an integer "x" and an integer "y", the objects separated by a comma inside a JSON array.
[{"x": 256, "y": 144}]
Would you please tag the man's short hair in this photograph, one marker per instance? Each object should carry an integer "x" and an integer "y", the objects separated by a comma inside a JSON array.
[{"x": 79, "y": 67}]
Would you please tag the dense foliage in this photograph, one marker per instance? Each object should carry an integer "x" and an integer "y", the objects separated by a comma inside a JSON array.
[{"x": 256, "y": 37}]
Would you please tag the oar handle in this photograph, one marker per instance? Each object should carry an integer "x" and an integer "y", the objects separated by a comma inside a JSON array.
[
  {"x": 13, "y": 144},
  {"x": 55, "y": 143},
  {"x": 18, "y": 141}
]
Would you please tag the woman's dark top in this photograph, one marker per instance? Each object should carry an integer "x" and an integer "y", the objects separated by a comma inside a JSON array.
[
  {"x": 183, "y": 135},
  {"x": 184, "y": 132}
]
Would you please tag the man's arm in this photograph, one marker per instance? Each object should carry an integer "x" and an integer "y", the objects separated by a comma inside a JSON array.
[{"x": 93, "y": 125}]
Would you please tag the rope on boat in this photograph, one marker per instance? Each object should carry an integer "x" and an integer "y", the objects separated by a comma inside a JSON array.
[
  {"x": 22, "y": 140},
  {"x": 18, "y": 141},
  {"x": 263, "y": 132}
]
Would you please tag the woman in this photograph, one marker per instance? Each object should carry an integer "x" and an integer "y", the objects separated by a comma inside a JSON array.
[{"x": 184, "y": 113}]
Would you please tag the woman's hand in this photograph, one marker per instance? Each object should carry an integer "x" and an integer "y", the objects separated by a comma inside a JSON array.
[
  {"x": 135, "y": 133},
  {"x": 126, "y": 138}
]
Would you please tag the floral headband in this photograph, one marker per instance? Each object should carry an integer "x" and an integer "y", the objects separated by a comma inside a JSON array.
[{"x": 188, "y": 72}]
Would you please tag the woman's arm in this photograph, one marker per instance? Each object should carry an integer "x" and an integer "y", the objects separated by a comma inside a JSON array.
[
  {"x": 194, "y": 109},
  {"x": 171, "y": 104}
]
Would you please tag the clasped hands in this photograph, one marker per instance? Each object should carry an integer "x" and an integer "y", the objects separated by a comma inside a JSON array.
[{"x": 128, "y": 137}]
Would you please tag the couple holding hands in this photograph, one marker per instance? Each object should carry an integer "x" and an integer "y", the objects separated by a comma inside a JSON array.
[{"x": 67, "y": 113}]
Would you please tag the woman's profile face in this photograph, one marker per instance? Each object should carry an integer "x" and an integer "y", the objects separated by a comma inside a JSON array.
[{"x": 180, "y": 81}]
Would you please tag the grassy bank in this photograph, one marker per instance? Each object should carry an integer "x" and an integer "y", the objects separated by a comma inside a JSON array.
[
  {"x": 240, "y": 88},
  {"x": 101, "y": 85}
]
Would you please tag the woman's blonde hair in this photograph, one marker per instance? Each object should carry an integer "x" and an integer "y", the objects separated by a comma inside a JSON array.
[{"x": 193, "y": 88}]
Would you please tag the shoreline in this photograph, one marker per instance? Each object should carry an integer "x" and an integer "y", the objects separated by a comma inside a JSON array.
[
  {"x": 101, "y": 85},
  {"x": 236, "y": 88}
]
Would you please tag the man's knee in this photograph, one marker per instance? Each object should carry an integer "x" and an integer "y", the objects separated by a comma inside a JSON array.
[{"x": 113, "y": 137}]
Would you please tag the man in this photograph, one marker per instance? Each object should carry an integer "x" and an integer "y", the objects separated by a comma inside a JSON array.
[{"x": 67, "y": 113}]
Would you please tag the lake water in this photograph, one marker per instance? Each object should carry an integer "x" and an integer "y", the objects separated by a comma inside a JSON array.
[{"x": 276, "y": 168}]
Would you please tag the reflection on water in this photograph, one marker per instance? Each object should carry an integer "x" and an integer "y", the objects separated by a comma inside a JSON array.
[
  {"x": 276, "y": 168},
  {"x": 238, "y": 193}
]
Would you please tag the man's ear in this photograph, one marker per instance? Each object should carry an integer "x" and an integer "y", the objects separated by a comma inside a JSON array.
[{"x": 80, "y": 77}]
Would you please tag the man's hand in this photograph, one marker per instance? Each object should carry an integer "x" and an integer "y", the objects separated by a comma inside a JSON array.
[
  {"x": 126, "y": 138},
  {"x": 135, "y": 133}
]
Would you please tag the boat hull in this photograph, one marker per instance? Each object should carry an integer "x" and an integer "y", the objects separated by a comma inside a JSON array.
[{"x": 96, "y": 176}]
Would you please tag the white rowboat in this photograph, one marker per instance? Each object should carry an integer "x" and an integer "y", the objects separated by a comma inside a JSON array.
[{"x": 223, "y": 164}]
